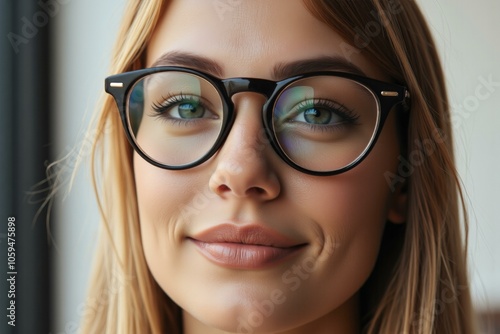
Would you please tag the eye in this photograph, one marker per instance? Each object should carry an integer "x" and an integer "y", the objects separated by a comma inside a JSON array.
[
  {"x": 183, "y": 107},
  {"x": 322, "y": 112},
  {"x": 188, "y": 110},
  {"x": 317, "y": 116}
]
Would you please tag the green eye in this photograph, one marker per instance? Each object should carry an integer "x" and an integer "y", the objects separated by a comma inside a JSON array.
[
  {"x": 182, "y": 107},
  {"x": 317, "y": 116},
  {"x": 190, "y": 110}
]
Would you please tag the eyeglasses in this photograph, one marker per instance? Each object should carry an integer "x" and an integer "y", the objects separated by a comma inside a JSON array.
[{"x": 321, "y": 123}]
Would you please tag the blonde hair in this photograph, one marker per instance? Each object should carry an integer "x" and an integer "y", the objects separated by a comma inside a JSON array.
[
  {"x": 419, "y": 284},
  {"x": 124, "y": 297}
]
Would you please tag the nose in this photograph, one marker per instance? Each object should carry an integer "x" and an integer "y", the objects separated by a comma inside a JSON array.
[{"x": 243, "y": 165}]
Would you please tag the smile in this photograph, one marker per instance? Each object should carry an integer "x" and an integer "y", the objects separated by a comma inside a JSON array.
[{"x": 245, "y": 247}]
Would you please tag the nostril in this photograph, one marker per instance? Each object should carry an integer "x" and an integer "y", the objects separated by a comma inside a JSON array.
[
  {"x": 223, "y": 188},
  {"x": 257, "y": 190},
  {"x": 251, "y": 191}
]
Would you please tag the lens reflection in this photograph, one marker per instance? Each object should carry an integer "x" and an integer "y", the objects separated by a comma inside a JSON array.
[
  {"x": 325, "y": 123},
  {"x": 321, "y": 123},
  {"x": 178, "y": 118}
]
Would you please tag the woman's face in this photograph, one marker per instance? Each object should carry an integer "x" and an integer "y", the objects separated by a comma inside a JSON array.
[{"x": 244, "y": 242}]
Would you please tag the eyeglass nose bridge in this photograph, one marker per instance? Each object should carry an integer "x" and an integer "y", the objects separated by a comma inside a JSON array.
[
  {"x": 264, "y": 87},
  {"x": 239, "y": 85}
]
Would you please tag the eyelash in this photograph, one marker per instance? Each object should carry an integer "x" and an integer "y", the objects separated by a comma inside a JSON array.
[
  {"x": 161, "y": 108},
  {"x": 348, "y": 116},
  {"x": 172, "y": 100}
]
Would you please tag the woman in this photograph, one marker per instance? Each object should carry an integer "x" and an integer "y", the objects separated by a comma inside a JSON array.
[{"x": 286, "y": 166}]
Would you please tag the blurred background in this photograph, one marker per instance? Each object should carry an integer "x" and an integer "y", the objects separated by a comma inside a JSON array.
[{"x": 54, "y": 57}]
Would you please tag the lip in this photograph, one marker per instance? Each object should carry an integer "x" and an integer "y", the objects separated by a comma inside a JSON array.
[{"x": 245, "y": 247}]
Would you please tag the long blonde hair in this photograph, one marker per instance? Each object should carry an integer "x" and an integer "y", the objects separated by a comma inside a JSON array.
[{"x": 419, "y": 284}]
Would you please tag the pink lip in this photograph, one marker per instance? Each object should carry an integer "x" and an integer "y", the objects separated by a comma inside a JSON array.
[{"x": 245, "y": 247}]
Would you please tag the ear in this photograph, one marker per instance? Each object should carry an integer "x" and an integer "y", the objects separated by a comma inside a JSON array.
[{"x": 398, "y": 206}]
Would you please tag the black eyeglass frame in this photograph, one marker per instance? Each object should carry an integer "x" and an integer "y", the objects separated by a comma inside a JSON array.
[{"x": 388, "y": 95}]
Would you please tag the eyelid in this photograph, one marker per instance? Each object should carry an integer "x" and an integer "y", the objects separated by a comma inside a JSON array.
[
  {"x": 319, "y": 102},
  {"x": 173, "y": 99},
  {"x": 340, "y": 110}
]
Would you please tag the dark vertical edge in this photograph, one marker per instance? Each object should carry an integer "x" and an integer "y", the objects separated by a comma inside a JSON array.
[
  {"x": 6, "y": 145},
  {"x": 6, "y": 152},
  {"x": 29, "y": 114}
]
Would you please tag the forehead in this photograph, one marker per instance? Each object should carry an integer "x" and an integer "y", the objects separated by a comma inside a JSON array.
[{"x": 249, "y": 38}]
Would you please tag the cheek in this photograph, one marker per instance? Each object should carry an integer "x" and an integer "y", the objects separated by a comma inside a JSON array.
[
  {"x": 357, "y": 200},
  {"x": 164, "y": 197},
  {"x": 350, "y": 211},
  {"x": 155, "y": 203},
  {"x": 156, "y": 197}
]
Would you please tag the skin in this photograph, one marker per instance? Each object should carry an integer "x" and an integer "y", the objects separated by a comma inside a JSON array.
[{"x": 341, "y": 217}]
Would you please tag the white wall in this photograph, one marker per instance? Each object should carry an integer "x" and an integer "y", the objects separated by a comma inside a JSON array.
[
  {"x": 85, "y": 32},
  {"x": 466, "y": 33}
]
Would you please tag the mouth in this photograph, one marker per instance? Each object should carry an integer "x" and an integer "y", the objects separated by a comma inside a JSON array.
[{"x": 245, "y": 247}]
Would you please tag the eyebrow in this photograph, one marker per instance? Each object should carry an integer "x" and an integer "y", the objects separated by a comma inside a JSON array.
[
  {"x": 323, "y": 63},
  {"x": 176, "y": 58},
  {"x": 280, "y": 71}
]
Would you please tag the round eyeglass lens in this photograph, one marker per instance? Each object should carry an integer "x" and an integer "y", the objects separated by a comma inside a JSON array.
[
  {"x": 325, "y": 123},
  {"x": 175, "y": 118}
]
